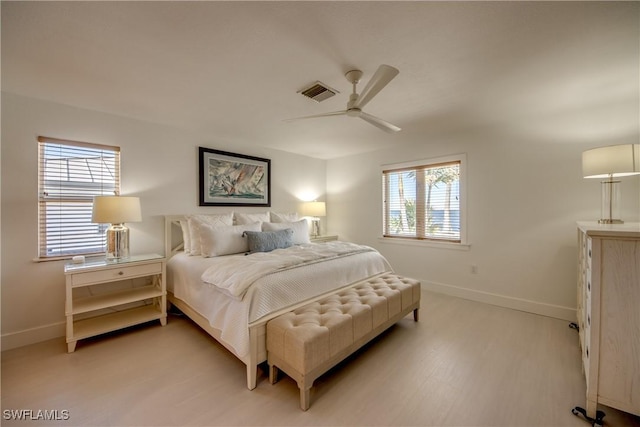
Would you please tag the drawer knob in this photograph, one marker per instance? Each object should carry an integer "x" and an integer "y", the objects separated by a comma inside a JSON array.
[{"x": 120, "y": 273}]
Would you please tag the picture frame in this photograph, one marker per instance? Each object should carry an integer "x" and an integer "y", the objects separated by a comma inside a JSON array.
[{"x": 231, "y": 179}]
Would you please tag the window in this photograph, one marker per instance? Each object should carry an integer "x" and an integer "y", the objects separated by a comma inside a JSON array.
[
  {"x": 70, "y": 174},
  {"x": 423, "y": 200}
]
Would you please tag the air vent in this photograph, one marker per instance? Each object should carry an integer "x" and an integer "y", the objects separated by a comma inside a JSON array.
[{"x": 318, "y": 92}]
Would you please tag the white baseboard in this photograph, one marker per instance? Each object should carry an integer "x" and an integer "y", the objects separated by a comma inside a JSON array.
[
  {"x": 33, "y": 335},
  {"x": 549, "y": 310},
  {"x": 57, "y": 330}
]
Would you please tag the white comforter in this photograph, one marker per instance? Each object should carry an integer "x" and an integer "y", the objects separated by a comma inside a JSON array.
[
  {"x": 233, "y": 276},
  {"x": 273, "y": 291}
]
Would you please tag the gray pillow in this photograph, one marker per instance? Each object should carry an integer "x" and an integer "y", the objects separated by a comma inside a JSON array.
[{"x": 266, "y": 241}]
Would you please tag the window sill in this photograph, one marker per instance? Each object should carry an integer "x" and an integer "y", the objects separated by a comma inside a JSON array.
[
  {"x": 67, "y": 257},
  {"x": 425, "y": 243}
]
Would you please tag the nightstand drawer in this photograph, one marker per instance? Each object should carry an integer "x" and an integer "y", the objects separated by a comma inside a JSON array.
[{"x": 116, "y": 273}]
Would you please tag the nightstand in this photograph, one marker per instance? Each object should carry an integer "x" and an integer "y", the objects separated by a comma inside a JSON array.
[
  {"x": 320, "y": 239},
  {"x": 103, "y": 296}
]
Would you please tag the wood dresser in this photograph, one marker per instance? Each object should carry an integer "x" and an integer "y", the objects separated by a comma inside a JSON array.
[{"x": 608, "y": 316}]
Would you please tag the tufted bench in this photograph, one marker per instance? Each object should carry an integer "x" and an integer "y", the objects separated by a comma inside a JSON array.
[{"x": 307, "y": 342}]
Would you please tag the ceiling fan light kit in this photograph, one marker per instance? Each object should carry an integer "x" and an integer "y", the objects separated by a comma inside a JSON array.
[{"x": 383, "y": 75}]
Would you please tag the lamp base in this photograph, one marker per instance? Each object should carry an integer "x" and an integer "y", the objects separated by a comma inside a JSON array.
[
  {"x": 315, "y": 227},
  {"x": 117, "y": 242},
  {"x": 610, "y": 203}
]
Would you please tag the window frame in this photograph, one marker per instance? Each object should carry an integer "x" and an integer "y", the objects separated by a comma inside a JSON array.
[
  {"x": 462, "y": 244},
  {"x": 71, "y": 195}
]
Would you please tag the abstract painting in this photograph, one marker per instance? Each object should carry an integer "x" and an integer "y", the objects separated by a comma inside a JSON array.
[{"x": 230, "y": 179}]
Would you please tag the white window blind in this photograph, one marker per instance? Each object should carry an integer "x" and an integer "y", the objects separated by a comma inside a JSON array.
[
  {"x": 70, "y": 174},
  {"x": 422, "y": 201}
]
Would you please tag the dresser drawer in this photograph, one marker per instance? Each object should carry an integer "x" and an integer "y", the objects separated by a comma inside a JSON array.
[{"x": 116, "y": 273}]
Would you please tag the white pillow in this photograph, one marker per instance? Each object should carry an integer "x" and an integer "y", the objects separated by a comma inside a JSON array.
[
  {"x": 225, "y": 240},
  {"x": 300, "y": 229},
  {"x": 284, "y": 217},
  {"x": 249, "y": 218},
  {"x": 195, "y": 222},
  {"x": 186, "y": 236}
]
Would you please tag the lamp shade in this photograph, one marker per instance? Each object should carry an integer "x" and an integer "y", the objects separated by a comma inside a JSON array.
[
  {"x": 611, "y": 161},
  {"x": 116, "y": 209},
  {"x": 314, "y": 209}
]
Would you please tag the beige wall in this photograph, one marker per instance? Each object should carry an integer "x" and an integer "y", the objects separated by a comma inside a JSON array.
[{"x": 159, "y": 164}]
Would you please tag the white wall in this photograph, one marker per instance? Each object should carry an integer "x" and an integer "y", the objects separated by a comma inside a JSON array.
[
  {"x": 523, "y": 132},
  {"x": 159, "y": 164},
  {"x": 525, "y": 195}
]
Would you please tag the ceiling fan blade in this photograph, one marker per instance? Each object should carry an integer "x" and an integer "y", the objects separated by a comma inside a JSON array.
[
  {"x": 379, "y": 123},
  {"x": 333, "y": 113},
  {"x": 383, "y": 75}
]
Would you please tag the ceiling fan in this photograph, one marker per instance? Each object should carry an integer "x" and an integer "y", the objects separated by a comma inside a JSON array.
[{"x": 383, "y": 75}]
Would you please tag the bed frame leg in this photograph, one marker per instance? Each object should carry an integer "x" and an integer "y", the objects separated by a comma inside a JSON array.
[
  {"x": 252, "y": 376},
  {"x": 252, "y": 362},
  {"x": 416, "y": 315}
]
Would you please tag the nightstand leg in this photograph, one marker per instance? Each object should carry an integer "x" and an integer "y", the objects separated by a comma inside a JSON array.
[
  {"x": 71, "y": 346},
  {"x": 163, "y": 321}
]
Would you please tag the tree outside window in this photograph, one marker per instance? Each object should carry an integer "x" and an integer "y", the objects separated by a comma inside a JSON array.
[{"x": 423, "y": 201}]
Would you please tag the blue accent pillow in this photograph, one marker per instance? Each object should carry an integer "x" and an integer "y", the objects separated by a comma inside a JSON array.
[{"x": 266, "y": 241}]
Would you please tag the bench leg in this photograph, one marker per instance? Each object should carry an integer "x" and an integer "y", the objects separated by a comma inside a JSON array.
[
  {"x": 273, "y": 374},
  {"x": 304, "y": 396},
  {"x": 416, "y": 315}
]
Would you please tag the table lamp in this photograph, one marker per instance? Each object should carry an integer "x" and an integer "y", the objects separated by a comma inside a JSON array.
[
  {"x": 314, "y": 210},
  {"x": 611, "y": 162},
  {"x": 116, "y": 210}
]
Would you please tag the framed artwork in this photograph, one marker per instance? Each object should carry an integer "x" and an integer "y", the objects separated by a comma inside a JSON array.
[{"x": 229, "y": 179}]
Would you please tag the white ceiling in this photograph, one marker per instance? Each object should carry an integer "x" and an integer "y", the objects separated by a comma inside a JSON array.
[{"x": 232, "y": 69}]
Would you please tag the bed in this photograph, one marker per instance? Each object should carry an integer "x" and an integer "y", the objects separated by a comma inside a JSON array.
[{"x": 232, "y": 296}]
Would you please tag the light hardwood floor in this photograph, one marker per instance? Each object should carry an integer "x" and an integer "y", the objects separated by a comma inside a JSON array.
[{"x": 464, "y": 364}]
